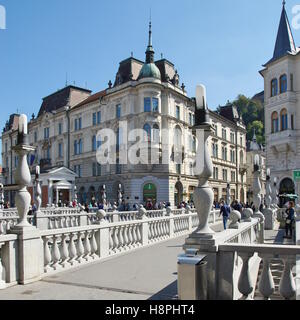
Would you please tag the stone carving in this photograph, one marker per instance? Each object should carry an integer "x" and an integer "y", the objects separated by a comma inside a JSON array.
[{"x": 235, "y": 217}]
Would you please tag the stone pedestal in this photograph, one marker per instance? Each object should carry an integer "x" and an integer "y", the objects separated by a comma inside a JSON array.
[
  {"x": 30, "y": 254},
  {"x": 269, "y": 219}
]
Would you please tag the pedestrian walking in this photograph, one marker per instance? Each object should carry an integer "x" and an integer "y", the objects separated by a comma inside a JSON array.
[{"x": 225, "y": 212}]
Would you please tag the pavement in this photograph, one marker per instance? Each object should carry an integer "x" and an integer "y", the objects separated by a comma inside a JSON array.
[
  {"x": 145, "y": 274},
  {"x": 276, "y": 236}
]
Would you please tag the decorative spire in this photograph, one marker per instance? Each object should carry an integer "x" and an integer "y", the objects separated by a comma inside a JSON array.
[
  {"x": 285, "y": 41},
  {"x": 150, "y": 51}
]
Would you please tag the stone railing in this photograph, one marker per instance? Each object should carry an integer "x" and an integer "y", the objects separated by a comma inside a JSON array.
[
  {"x": 8, "y": 260},
  {"x": 66, "y": 247},
  {"x": 246, "y": 280},
  {"x": 59, "y": 218}
]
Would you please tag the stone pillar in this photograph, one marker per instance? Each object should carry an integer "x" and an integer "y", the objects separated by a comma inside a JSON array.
[
  {"x": 30, "y": 245},
  {"x": 103, "y": 234},
  {"x": 203, "y": 238}
]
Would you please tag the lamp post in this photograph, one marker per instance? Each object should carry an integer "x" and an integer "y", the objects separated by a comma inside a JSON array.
[{"x": 38, "y": 190}]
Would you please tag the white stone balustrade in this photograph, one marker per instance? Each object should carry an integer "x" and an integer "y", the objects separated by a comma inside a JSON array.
[{"x": 247, "y": 278}]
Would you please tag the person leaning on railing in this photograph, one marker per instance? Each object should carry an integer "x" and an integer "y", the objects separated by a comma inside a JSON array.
[{"x": 289, "y": 219}]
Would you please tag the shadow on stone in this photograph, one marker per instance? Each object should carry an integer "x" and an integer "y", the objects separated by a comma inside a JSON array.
[{"x": 168, "y": 293}]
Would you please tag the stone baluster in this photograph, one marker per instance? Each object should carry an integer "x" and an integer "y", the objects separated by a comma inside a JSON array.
[
  {"x": 287, "y": 287},
  {"x": 2, "y": 271},
  {"x": 150, "y": 236},
  {"x": 139, "y": 234},
  {"x": 72, "y": 250},
  {"x": 130, "y": 237},
  {"x": 111, "y": 242},
  {"x": 245, "y": 285},
  {"x": 115, "y": 240},
  {"x": 94, "y": 246},
  {"x": 55, "y": 253},
  {"x": 274, "y": 194},
  {"x": 120, "y": 237},
  {"x": 125, "y": 237},
  {"x": 47, "y": 254},
  {"x": 80, "y": 247},
  {"x": 87, "y": 246},
  {"x": 266, "y": 283},
  {"x": 64, "y": 251}
]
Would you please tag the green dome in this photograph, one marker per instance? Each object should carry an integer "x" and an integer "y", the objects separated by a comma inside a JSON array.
[{"x": 150, "y": 70}]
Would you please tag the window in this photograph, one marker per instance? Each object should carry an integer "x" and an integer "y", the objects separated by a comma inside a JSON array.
[
  {"x": 147, "y": 105},
  {"x": 224, "y": 175},
  {"x": 215, "y": 150},
  {"x": 151, "y": 105},
  {"x": 275, "y": 123},
  {"x": 35, "y": 137},
  {"x": 78, "y": 124},
  {"x": 292, "y": 82},
  {"x": 224, "y": 135},
  {"x": 98, "y": 169},
  {"x": 118, "y": 167},
  {"x": 60, "y": 128},
  {"x": 118, "y": 111},
  {"x": 94, "y": 143},
  {"x": 224, "y": 153},
  {"x": 232, "y": 156},
  {"x": 216, "y": 173},
  {"x": 77, "y": 170},
  {"x": 292, "y": 122},
  {"x": 154, "y": 104},
  {"x": 190, "y": 119},
  {"x": 242, "y": 157},
  {"x": 284, "y": 120},
  {"x": 94, "y": 118},
  {"x": 94, "y": 169},
  {"x": 60, "y": 150},
  {"x": 241, "y": 140},
  {"x": 232, "y": 176},
  {"x": 178, "y": 168},
  {"x": 5, "y": 146},
  {"x": 232, "y": 136},
  {"x": 283, "y": 83},
  {"x": 78, "y": 147},
  {"x": 46, "y": 133},
  {"x": 177, "y": 112},
  {"x": 274, "y": 88}
]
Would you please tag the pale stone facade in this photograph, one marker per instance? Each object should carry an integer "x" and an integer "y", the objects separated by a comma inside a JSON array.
[
  {"x": 282, "y": 104},
  {"x": 146, "y": 96}
]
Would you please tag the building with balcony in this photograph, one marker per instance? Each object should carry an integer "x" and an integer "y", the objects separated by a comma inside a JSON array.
[
  {"x": 145, "y": 95},
  {"x": 282, "y": 104}
]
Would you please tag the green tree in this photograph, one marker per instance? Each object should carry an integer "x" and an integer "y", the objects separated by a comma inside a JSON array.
[{"x": 252, "y": 112}]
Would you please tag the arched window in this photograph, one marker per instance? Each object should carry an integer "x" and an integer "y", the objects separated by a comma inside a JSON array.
[
  {"x": 274, "y": 88},
  {"x": 275, "y": 126},
  {"x": 147, "y": 132},
  {"x": 283, "y": 83},
  {"x": 156, "y": 133},
  {"x": 284, "y": 120}
]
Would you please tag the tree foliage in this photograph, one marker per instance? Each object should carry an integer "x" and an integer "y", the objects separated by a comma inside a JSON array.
[{"x": 252, "y": 112}]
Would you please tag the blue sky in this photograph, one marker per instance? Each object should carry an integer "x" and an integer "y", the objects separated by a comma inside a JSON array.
[{"x": 221, "y": 43}]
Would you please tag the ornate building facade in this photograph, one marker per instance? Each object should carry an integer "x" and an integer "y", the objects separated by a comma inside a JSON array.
[
  {"x": 282, "y": 104},
  {"x": 145, "y": 95}
]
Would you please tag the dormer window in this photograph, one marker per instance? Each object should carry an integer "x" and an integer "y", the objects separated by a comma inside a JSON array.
[
  {"x": 283, "y": 83},
  {"x": 274, "y": 88}
]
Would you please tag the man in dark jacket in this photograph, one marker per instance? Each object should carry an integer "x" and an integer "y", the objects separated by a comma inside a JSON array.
[
  {"x": 225, "y": 211},
  {"x": 290, "y": 219}
]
